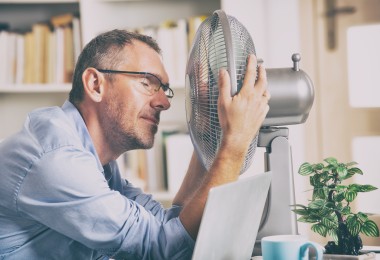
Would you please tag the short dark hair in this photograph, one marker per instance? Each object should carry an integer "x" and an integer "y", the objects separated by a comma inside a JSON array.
[{"x": 104, "y": 52}]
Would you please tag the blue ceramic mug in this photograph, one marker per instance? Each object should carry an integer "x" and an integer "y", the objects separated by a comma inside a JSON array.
[{"x": 288, "y": 247}]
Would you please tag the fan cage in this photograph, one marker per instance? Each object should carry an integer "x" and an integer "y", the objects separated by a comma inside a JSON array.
[{"x": 209, "y": 54}]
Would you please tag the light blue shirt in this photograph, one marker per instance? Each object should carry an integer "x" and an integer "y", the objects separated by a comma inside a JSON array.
[{"x": 58, "y": 202}]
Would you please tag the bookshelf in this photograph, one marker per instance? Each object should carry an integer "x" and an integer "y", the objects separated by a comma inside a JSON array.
[{"x": 96, "y": 16}]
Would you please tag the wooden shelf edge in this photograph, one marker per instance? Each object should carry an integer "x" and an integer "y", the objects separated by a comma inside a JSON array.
[
  {"x": 38, "y": 1},
  {"x": 36, "y": 88}
]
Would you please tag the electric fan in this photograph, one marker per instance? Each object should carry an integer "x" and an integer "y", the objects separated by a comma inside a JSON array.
[{"x": 222, "y": 41}]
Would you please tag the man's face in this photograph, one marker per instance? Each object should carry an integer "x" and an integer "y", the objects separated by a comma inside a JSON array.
[{"x": 129, "y": 113}]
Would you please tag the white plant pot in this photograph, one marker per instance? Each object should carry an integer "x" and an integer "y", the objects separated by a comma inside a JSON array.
[{"x": 368, "y": 256}]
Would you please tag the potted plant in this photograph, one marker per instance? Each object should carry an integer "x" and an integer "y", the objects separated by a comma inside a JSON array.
[{"x": 329, "y": 210}]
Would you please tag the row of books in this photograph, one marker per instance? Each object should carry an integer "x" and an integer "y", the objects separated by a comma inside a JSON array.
[
  {"x": 45, "y": 54},
  {"x": 174, "y": 39}
]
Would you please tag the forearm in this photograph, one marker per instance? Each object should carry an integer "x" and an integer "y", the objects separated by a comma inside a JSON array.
[
  {"x": 192, "y": 181},
  {"x": 225, "y": 169}
]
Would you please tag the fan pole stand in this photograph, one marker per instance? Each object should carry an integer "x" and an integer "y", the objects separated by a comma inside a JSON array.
[{"x": 278, "y": 218}]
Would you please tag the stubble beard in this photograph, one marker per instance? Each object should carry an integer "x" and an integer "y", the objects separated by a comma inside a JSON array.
[{"x": 123, "y": 136}]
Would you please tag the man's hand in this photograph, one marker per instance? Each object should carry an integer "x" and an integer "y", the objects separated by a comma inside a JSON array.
[{"x": 242, "y": 115}]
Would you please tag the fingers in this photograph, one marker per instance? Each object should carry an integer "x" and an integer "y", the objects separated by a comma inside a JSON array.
[
  {"x": 250, "y": 75},
  {"x": 261, "y": 83},
  {"x": 251, "y": 102},
  {"x": 224, "y": 85},
  {"x": 251, "y": 85}
]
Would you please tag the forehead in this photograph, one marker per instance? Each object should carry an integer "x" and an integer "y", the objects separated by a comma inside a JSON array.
[{"x": 141, "y": 57}]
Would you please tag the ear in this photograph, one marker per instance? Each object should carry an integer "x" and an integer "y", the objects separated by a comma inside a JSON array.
[{"x": 93, "y": 84}]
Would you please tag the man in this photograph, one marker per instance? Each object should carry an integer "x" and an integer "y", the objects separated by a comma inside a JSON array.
[{"x": 61, "y": 193}]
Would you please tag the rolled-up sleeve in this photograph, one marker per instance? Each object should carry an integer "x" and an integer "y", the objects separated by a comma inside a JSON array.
[{"x": 74, "y": 199}]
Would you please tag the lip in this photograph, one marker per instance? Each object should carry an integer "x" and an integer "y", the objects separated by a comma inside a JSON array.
[{"x": 152, "y": 120}]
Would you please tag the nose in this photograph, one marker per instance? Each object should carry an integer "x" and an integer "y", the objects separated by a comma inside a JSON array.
[{"x": 160, "y": 101}]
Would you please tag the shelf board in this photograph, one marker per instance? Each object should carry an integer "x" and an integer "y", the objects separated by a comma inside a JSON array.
[
  {"x": 36, "y": 88},
  {"x": 38, "y": 1}
]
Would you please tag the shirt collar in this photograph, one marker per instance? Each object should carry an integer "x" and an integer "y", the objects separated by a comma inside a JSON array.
[{"x": 72, "y": 112}]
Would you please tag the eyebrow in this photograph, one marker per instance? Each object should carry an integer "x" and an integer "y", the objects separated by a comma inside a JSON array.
[
  {"x": 160, "y": 78},
  {"x": 167, "y": 85}
]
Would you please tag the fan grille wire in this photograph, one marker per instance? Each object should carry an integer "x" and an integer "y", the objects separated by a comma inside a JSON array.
[{"x": 208, "y": 55}]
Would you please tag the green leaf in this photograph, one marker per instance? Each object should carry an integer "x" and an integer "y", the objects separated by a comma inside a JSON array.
[
  {"x": 338, "y": 197},
  {"x": 354, "y": 228},
  {"x": 362, "y": 217},
  {"x": 301, "y": 211},
  {"x": 339, "y": 206},
  {"x": 305, "y": 169},
  {"x": 354, "y": 187},
  {"x": 346, "y": 210},
  {"x": 340, "y": 187},
  {"x": 324, "y": 212},
  {"x": 350, "y": 195},
  {"x": 303, "y": 219},
  {"x": 320, "y": 229},
  {"x": 331, "y": 161},
  {"x": 318, "y": 167},
  {"x": 364, "y": 188},
  {"x": 318, "y": 193},
  {"x": 333, "y": 234},
  {"x": 298, "y": 205},
  {"x": 349, "y": 175},
  {"x": 308, "y": 219},
  {"x": 329, "y": 168},
  {"x": 342, "y": 171},
  {"x": 326, "y": 192},
  {"x": 329, "y": 223},
  {"x": 370, "y": 229},
  {"x": 330, "y": 205},
  {"x": 324, "y": 176},
  {"x": 355, "y": 170},
  {"x": 317, "y": 204},
  {"x": 353, "y": 225},
  {"x": 351, "y": 164}
]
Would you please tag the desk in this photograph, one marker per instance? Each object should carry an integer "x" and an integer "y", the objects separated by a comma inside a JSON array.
[
  {"x": 261, "y": 258},
  {"x": 365, "y": 248}
]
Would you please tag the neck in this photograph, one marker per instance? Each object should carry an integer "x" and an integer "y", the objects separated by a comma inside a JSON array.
[{"x": 102, "y": 146}]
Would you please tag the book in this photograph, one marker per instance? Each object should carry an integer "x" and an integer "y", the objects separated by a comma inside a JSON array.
[
  {"x": 59, "y": 55},
  {"x": 166, "y": 41},
  {"x": 39, "y": 62},
  {"x": 20, "y": 59},
  {"x": 62, "y": 19},
  {"x": 177, "y": 162},
  {"x": 3, "y": 53},
  {"x": 135, "y": 168},
  {"x": 52, "y": 57},
  {"x": 193, "y": 25},
  {"x": 28, "y": 57},
  {"x": 180, "y": 52},
  {"x": 68, "y": 54},
  {"x": 77, "y": 38},
  {"x": 10, "y": 69}
]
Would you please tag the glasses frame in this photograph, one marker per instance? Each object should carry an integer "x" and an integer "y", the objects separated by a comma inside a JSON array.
[{"x": 165, "y": 87}]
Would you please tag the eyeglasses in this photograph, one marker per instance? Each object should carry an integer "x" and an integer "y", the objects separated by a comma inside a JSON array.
[{"x": 149, "y": 81}]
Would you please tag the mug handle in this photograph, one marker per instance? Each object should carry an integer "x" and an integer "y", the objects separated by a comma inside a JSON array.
[{"x": 318, "y": 250}]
